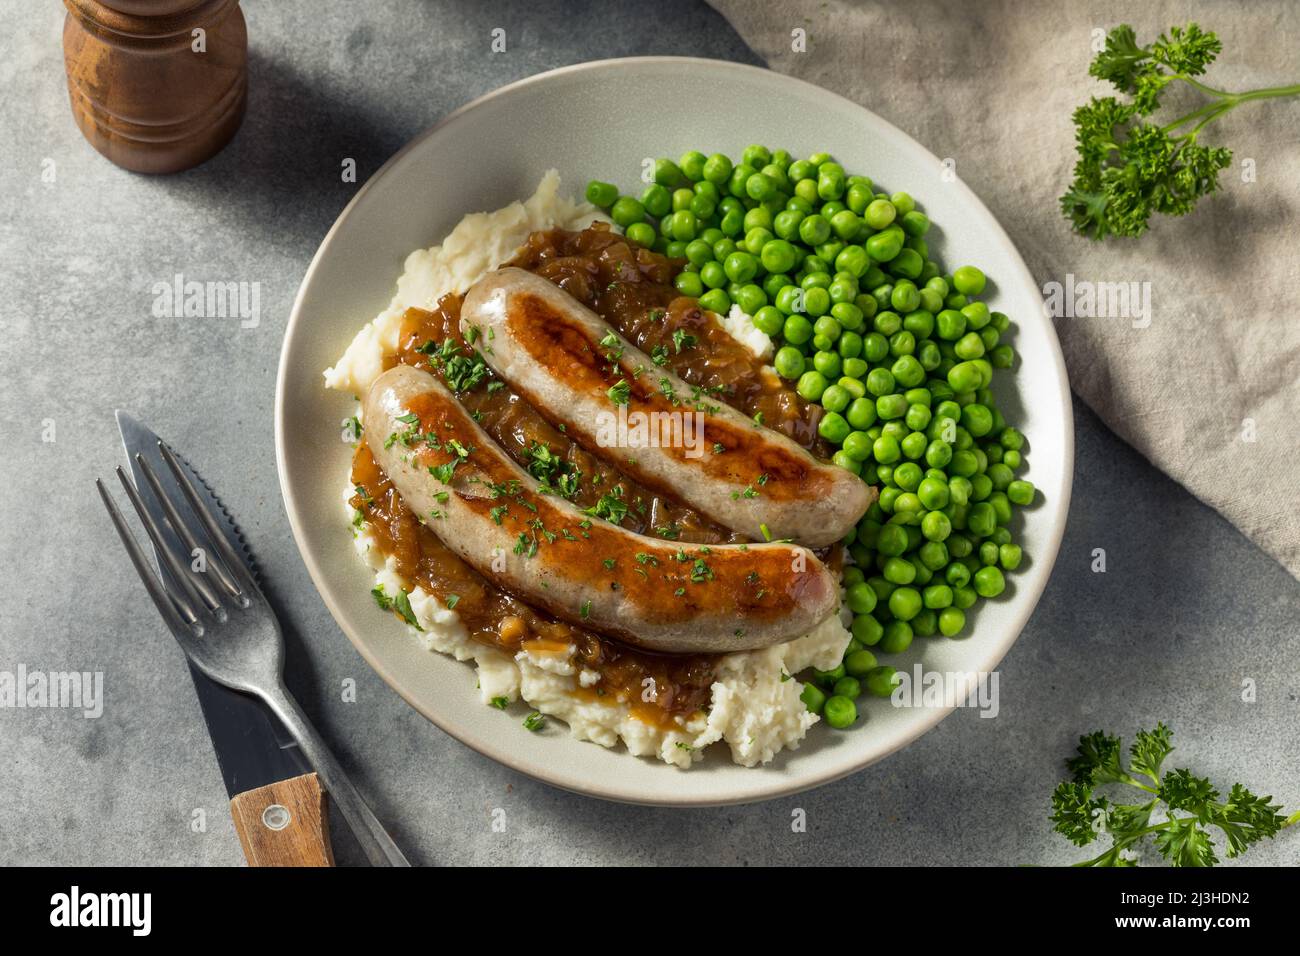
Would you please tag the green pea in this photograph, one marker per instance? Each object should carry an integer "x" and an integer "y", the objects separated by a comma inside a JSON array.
[
  {"x": 847, "y": 686},
  {"x": 934, "y": 494},
  {"x": 957, "y": 575},
  {"x": 778, "y": 255},
  {"x": 740, "y": 267},
  {"x": 936, "y": 526},
  {"x": 713, "y": 275},
  {"x": 667, "y": 173},
  {"x": 750, "y": 298},
  {"x": 715, "y": 300},
  {"x": 1003, "y": 356},
  {"x": 977, "y": 315},
  {"x": 797, "y": 329},
  {"x": 882, "y": 680},
  {"x": 964, "y": 597},
  {"x": 925, "y": 624},
  {"x": 977, "y": 419},
  {"x": 853, "y": 260},
  {"x": 866, "y": 629},
  {"x": 814, "y": 230},
  {"x": 965, "y": 377},
  {"x": 969, "y": 346},
  {"x": 891, "y": 406},
  {"x": 813, "y": 698},
  {"x": 905, "y": 602},
  {"x": 756, "y": 155},
  {"x": 1009, "y": 556},
  {"x": 816, "y": 302},
  {"x": 683, "y": 225},
  {"x": 968, "y": 280},
  {"x": 879, "y": 213},
  {"x": 836, "y": 399},
  {"x": 897, "y": 637},
  {"x": 915, "y": 223},
  {"x": 857, "y": 445},
  {"x": 760, "y": 187},
  {"x": 989, "y": 582},
  {"x": 981, "y": 520},
  {"x": 937, "y": 597},
  {"x": 893, "y": 540},
  {"x": 951, "y": 621},
  {"x": 626, "y": 211},
  {"x": 847, "y": 462},
  {"x": 860, "y": 598},
  {"x": 907, "y": 371},
  {"x": 859, "y": 663},
  {"x": 641, "y": 233},
  {"x": 840, "y": 712},
  {"x": 601, "y": 194},
  {"x": 769, "y": 320},
  {"x": 833, "y": 428},
  {"x": 1021, "y": 492},
  {"x": 883, "y": 246},
  {"x": 733, "y": 222},
  {"x": 788, "y": 362},
  {"x": 688, "y": 283}
]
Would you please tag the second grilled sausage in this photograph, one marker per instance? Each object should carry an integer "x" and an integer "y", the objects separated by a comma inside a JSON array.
[{"x": 610, "y": 397}]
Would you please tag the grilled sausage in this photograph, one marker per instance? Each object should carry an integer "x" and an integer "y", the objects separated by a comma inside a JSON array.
[
  {"x": 577, "y": 371},
  {"x": 645, "y": 591}
]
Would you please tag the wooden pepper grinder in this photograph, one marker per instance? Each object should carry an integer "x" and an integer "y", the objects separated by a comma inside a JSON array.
[{"x": 157, "y": 86}]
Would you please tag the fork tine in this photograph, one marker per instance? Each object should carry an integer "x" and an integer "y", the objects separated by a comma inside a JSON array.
[
  {"x": 233, "y": 561},
  {"x": 182, "y": 529},
  {"x": 191, "y": 590},
  {"x": 161, "y": 598}
]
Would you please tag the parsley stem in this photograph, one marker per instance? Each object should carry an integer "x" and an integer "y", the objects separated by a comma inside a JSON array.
[
  {"x": 1293, "y": 818},
  {"x": 1226, "y": 101}
]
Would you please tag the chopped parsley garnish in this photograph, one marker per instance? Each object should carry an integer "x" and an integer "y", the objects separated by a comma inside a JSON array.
[
  {"x": 443, "y": 472},
  {"x": 535, "y": 721},
  {"x": 610, "y": 506},
  {"x": 402, "y": 604},
  {"x": 620, "y": 393},
  {"x": 683, "y": 340},
  {"x": 452, "y": 601},
  {"x": 554, "y": 474}
]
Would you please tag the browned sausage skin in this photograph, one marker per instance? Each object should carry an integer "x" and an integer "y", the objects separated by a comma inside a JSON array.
[
  {"x": 644, "y": 591},
  {"x": 574, "y": 368}
]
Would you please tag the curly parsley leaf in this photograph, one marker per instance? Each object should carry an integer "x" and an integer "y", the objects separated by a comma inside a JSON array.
[
  {"x": 1129, "y": 169},
  {"x": 1190, "y": 808}
]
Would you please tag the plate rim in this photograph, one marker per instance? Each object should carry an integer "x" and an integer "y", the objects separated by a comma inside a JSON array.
[{"x": 780, "y": 785}]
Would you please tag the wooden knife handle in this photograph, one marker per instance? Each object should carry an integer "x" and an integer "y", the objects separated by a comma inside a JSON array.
[{"x": 284, "y": 823}]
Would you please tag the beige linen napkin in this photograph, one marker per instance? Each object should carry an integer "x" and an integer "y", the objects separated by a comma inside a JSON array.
[{"x": 1206, "y": 383}]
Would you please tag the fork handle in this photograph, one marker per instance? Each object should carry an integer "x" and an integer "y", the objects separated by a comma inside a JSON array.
[{"x": 369, "y": 832}]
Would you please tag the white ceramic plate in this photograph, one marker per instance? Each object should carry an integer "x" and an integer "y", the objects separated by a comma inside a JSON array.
[{"x": 600, "y": 120}]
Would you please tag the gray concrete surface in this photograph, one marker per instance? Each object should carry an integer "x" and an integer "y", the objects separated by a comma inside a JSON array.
[{"x": 1186, "y": 611}]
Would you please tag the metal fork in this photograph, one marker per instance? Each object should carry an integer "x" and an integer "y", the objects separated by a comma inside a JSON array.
[{"x": 227, "y": 629}]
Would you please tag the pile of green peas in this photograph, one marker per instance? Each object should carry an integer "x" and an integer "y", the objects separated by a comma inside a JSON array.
[{"x": 899, "y": 355}]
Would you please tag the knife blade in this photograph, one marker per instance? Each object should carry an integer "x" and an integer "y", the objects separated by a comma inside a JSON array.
[{"x": 253, "y": 748}]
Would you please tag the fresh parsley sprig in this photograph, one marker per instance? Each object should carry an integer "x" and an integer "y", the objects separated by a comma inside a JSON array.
[
  {"x": 1189, "y": 805},
  {"x": 1128, "y": 168}
]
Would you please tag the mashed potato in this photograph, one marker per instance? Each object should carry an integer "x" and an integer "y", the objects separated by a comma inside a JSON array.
[{"x": 755, "y": 707}]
